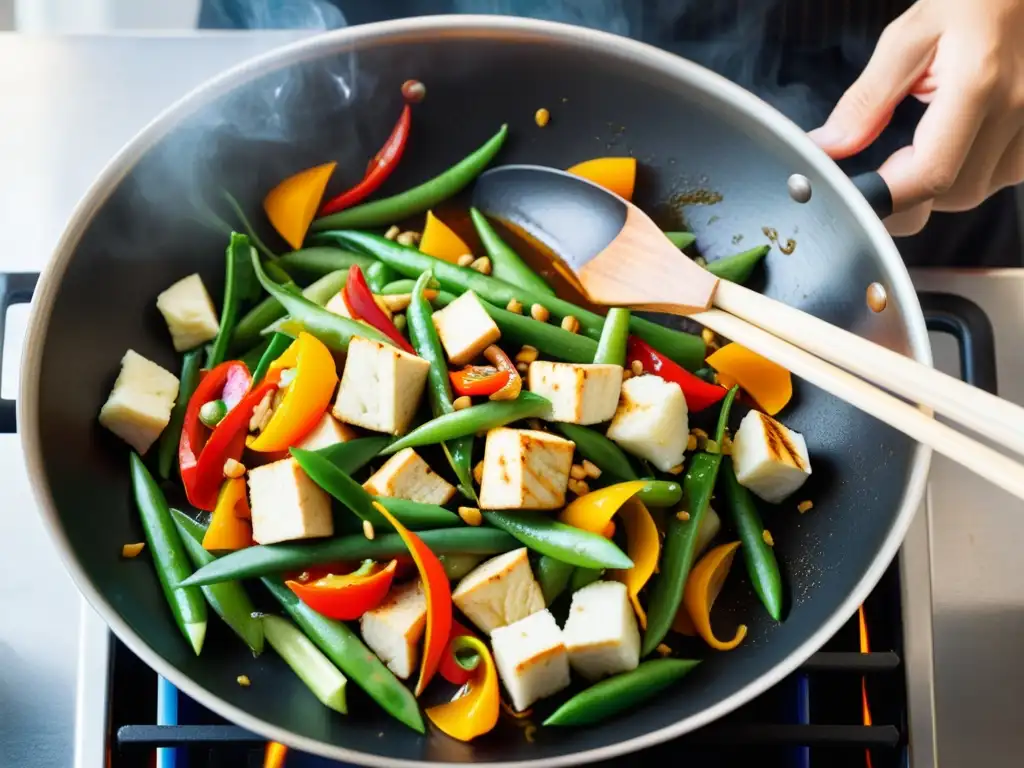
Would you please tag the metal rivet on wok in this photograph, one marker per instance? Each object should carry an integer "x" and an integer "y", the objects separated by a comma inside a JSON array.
[
  {"x": 799, "y": 187},
  {"x": 876, "y": 297}
]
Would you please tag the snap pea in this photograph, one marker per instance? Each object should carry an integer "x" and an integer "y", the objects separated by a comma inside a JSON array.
[
  {"x": 279, "y": 558},
  {"x": 333, "y": 330},
  {"x": 456, "y": 566},
  {"x": 270, "y": 309},
  {"x": 604, "y": 453},
  {"x": 660, "y": 493},
  {"x": 469, "y": 421},
  {"x": 239, "y": 253},
  {"x": 611, "y": 347},
  {"x": 343, "y": 646},
  {"x": 325, "y": 680},
  {"x": 378, "y": 275},
  {"x": 427, "y": 344},
  {"x": 355, "y": 454},
  {"x": 418, "y": 199},
  {"x": 553, "y": 575},
  {"x": 317, "y": 261},
  {"x": 684, "y": 348},
  {"x": 621, "y": 692},
  {"x": 679, "y": 547},
  {"x": 167, "y": 450},
  {"x": 506, "y": 264},
  {"x": 276, "y": 347},
  {"x": 228, "y": 599},
  {"x": 762, "y": 566},
  {"x": 681, "y": 239},
  {"x": 738, "y": 267},
  {"x": 560, "y": 541},
  {"x": 583, "y": 577},
  {"x": 169, "y": 558}
]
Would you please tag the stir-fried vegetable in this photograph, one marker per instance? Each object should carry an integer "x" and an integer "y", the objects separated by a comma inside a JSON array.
[
  {"x": 167, "y": 449},
  {"x": 616, "y": 174},
  {"x": 474, "y": 711},
  {"x": 560, "y": 541},
  {"x": 611, "y": 347},
  {"x": 359, "y": 298},
  {"x": 441, "y": 242},
  {"x": 702, "y": 588},
  {"x": 768, "y": 383},
  {"x": 506, "y": 264},
  {"x": 292, "y": 204},
  {"x": 320, "y": 261},
  {"x": 738, "y": 267},
  {"x": 643, "y": 545},
  {"x": 347, "y": 596},
  {"x": 699, "y": 394},
  {"x": 307, "y": 661},
  {"x": 237, "y": 274},
  {"x": 268, "y": 311}
]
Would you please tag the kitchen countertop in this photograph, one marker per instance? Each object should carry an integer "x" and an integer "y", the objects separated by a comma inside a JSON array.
[{"x": 70, "y": 104}]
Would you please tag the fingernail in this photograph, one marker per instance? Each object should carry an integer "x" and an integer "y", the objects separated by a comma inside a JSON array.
[{"x": 827, "y": 135}]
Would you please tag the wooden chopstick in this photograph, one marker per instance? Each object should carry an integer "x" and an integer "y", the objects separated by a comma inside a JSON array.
[
  {"x": 984, "y": 461},
  {"x": 980, "y": 411}
]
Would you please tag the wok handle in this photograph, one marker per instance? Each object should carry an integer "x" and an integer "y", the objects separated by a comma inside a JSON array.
[
  {"x": 965, "y": 321},
  {"x": 875, "y": 191},
  {"x": 15, "y": 288}
]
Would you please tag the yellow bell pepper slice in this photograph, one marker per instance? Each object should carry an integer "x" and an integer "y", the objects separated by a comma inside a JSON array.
[
  {"x": 440, "y": 241},
  {"x": 616, "y": 174},
  {"x": 768, "y": 383},
  {"x": 593, "y": 511},
  {"x": 474, "y": 710},
  {"x": 643, "y": 545},
  {"x": 702, "y": 589},
  {"x": 292, "y": 204},
  {"x": 229, "y": 530},
  {"x": 305, "y": 398}
]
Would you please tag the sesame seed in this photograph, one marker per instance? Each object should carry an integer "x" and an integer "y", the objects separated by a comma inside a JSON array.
[
  {"x": 243, "y": 680},
  {"x": 592, "y": 470},
  {"x": 539, "y": 313},
  {"x": 471, "y": 515},
  {"x": 132, "y": 550},
  {"x": 527, "y": 354},
  {"x": 514, "y": 305},
  {"x": 462, "y": 401},
  {"x": 482, "y": 265},
  {"x": 465, "y": 260},
  {"x": 682, "y": 515},
  {"x": 570, "y": 324},
  {"x": 767, "y": 536},
  {"x": 233, "y": 469},
  {"x": 636, "y": 367},
  {"x": 541, "y": 117},
  {"x": 392, "y": 232},
  {"x": 409, "y": 238},
  {"x": 577, "y": 472},
  {"x": 804, "y": 506},
  {"x": 368, "y": 531},
  {"x": 663, "y": 650}
]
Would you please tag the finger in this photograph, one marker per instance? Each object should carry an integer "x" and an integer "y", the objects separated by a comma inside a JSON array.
[
  {"x": 976, "y": 180},
  {"x": 910, "y": 221},
  {"x": 901, "y": 57}
]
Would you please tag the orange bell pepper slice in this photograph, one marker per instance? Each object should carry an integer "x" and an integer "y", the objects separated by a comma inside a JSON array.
[
  {"x": 347, "y": 597},
  {"x": 616, "y": 174},
  {"x": 768, "y": 383},
  {"x": 292, "y": 204},
  {"x": 439, "y": 599},
  {"x": 305, "y": 398},
  {"x": 229, "y": 529},
  {"x": 643, "y": 545},
  {"x": 702, "y": 589},
  {"x": 594, "y": 511},
  {"x": 440, "y": 241},
  {"x": 274, "y": 755},
  {"x": 475, "y": 709},
  {"x": 450, "y": 669}
]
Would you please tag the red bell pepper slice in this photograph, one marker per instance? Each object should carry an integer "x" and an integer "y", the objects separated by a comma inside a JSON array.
[
  {"x": 381, "y": 166},
  {"x": 349, "y": 596},
  {"x": 478, "y": 380},
  {"x": 699, "y": 393},
  {"x": 439, "y": 599},
  {"x": 360, "y": 299},
  {"x": 450, "y": 669},
  {"x": 229, "y": 381}
]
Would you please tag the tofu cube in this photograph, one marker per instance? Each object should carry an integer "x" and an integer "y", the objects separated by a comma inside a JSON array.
[
  {"x": 328, "y": 431},
  {"x": 531, "y": 658},
  {"x": 393, "y": 629},
  {"x": 525, "y": 469},
  {"x": 189, "y": 313},
  {"x": 579, "y": 394},
  {"x": 770, "y": 459},
  {"x": 465, "y": 328},
  {"x": 380, "y": 386},
  {"x": 499, "y": 592},
  {"x": 406, "y": 475},
  {"x": 286, "y": 505},
  {"x": 601, "y": 635},
  {"x": 339, "y": 305},
  {"x": 139, "y": 405},
  {"x": 651, "y": 421}
]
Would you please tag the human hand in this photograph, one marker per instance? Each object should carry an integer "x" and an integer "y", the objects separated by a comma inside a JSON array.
[{"x": 966, "y": 61}]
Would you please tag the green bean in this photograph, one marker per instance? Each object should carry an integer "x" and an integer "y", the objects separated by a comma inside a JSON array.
[
  {"x": 560, "y": 541},
  {"x": 553, "y": 575},
  {"x": 456, "y": 566},
  {"x": 583, "y": 577},
  {"x": 353, "y": 455},
  {"x": 427, "y": 344},
  {"x": 236, "y": 258},
  {"x": 169, "y": 558},
  {"x": 270, "y": 309},
  {"x": 684, "y": 348},
  {"x": 418, "y": 199},
  {"x": 249, "y": 230},
  {"x": 279, "y": 558},
  {"x": 333, "y": 330},
  {"x": 679, "y": 548},
  {"x": 469, "y": 421},
  {"x": 762, "y": 567},
  {"x": 277, "y": 346},
  {"x": 253, "y": 357},
  {"x": 317, "y": 261},
  {"x": 307, "y": 661},
  {"x": 620, "y": 693},
  {"x": 592, "y": 445},
  {"x": 681, "y": 239},
  {"x": 738, "y": 267},
  {"x": 506, "y": 264},
  {"x": 611, "y": 347},
  {"x": 378, "y": 275},
  {"x": 228, "y": 599},
  {"x": 350, "y": 654},
  {"x": 167, "y": 450}
]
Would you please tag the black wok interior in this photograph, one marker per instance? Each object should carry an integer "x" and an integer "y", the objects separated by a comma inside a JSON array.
[{"x": 150, "y": 232}]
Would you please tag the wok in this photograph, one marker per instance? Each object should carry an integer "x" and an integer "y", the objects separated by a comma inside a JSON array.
[{"x": 698, "y": 138}]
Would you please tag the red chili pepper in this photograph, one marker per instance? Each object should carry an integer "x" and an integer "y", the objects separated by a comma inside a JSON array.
[
  {"x": 381, "y": 166},
  {"x": 349, "y": 596},
  {"x": 699, "y": 393},
  {"x": 450, "y": 669},
  {"x": 478, "y": 380},
  {"x": 360, "y": 299},
  {"x": 229, "y": 382}
]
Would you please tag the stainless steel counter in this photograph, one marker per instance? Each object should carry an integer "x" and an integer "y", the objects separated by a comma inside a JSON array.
[{"x": 68, "y": 105}]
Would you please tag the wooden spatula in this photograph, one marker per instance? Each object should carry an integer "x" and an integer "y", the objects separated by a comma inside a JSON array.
[{"x": 618, "y": 256}]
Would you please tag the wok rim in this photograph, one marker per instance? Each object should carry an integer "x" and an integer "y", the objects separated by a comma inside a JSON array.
[{"x": 646, "y": 56}]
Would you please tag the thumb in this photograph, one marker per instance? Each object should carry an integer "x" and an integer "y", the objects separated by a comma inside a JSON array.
[{"x": 902, "y": 56}]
